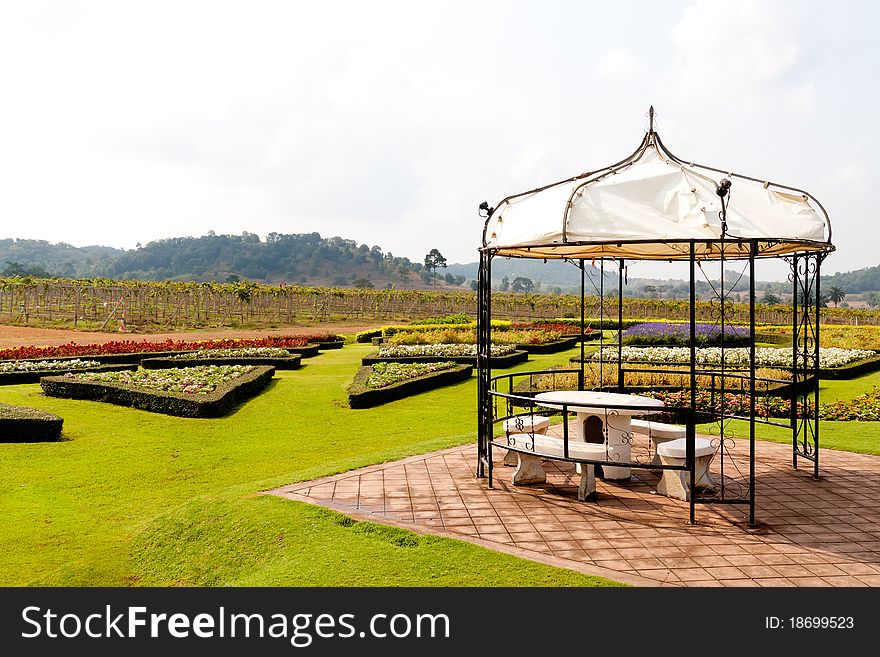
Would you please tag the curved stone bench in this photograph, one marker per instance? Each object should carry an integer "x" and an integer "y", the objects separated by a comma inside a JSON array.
[
  {"x": 677, "y": 483},
  {"x": 658, "y": 433},
  {"x": 527, "y": 424},
  {"x": 530, "y": 471}
]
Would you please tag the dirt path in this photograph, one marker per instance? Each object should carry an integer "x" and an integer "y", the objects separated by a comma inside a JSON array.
[{"x": 17, "y": 336}]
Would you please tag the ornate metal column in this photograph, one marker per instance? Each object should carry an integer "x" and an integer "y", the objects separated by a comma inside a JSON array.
[{"x": 806, "y": 303}]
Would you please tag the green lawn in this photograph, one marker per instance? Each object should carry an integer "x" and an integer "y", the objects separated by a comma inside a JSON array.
[
  {"x": 135, "y": 498},
  {"x": 132, "y": 497}
]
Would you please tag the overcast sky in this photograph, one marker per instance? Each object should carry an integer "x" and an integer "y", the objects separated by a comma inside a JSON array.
[{"x": 388, "y": 123}]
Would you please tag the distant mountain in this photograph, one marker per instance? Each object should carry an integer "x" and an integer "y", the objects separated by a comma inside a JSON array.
[
  {"x": 61, "y": 259},
  {"x": 306, "y": 259},
  {"x": 854, "y": 282},
  {"x": 550, "y": 274}
]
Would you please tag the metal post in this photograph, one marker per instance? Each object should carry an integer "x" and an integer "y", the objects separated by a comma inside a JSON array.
[
  {"x": 753, "y": 249},
  {"x": 581, "y": 368},
  {"x": 691, "y": 429},
  {"x": 601, "y": 322},
  {"x": 794, "y": 361},
  {"x": 484, "y": 366},
  {"x": 816, "y": 368},
  {"x": 620, "y": 327}
]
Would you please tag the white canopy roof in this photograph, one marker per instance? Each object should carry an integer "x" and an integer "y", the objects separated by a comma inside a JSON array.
[{"x": 651, "y": 206}]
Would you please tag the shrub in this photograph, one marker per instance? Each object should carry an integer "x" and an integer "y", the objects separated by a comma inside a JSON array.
[
  {"x": 368, "y": 335},
  {"x": 19, "y": 424}
]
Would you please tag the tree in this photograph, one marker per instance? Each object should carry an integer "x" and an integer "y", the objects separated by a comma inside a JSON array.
[
  {"x": 362, "y": 283},
  {"x": 505, "y": 284},
  {"x": 770, "y": 299},
  {"x": 433, "y": 260},
  {"x": 522, "y": 284},
  {"x": 836, "y": 295},
  {"x": 873, "y": 299}
]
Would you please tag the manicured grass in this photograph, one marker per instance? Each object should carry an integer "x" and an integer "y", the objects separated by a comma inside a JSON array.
[
  {"x": 131, "y": 497},
  {"x": 830, "y": 391}
]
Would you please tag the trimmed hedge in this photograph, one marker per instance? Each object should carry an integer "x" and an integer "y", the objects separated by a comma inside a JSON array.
[
  {"x": 19, "y": 424},
  {"x": 305, "y": 352},
  {"x": 214, "y": 404},
  {"x": 368, "y": 335},
  {"x": 551, "y": 347},
  {"x": 509, "y": 360},
  {"x": 394, "y": 329},
  {"x": 329, "y": 344},
  {"x": 14, "y": 378},
  {"x": 360, "y": 396},
  {"x": 291, "y": 363},
  {"x": 851, "y": 370}
]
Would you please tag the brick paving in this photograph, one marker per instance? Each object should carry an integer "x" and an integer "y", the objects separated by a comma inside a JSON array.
[{"x": 809, "y": 533}]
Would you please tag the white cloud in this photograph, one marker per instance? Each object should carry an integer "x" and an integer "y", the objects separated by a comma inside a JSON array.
[
  {"x": 743, "y": 53},
  {"x": 617, "y": 64}
]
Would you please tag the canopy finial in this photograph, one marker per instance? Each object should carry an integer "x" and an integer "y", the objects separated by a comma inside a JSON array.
[{"x": 651, "y": 119}]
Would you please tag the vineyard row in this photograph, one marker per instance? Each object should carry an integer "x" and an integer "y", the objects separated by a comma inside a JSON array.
[{"x": 150, "y": 306}]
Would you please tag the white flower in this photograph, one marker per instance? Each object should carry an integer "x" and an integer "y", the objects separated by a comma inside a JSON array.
[{"x": 737, "y": 356}]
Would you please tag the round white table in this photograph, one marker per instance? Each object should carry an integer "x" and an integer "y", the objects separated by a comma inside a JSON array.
[{"x": 595, "y": 420}]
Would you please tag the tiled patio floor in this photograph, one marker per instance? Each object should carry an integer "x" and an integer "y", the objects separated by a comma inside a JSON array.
[{"x": 809, "y": 533}]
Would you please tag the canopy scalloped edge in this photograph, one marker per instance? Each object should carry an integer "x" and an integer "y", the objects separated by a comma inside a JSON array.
[{"x": 653, "y": 206}]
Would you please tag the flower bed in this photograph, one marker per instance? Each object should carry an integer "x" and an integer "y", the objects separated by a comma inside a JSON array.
[
  {"x": 205, "y": 391},
  {"x": 126, "y": 347},
  {"x": 18, "y": 372},
  {"x": 46, "y": 365},
  {"x": 502, "y": 355},
  {"x": 280, "y": 359},
  {"x": 398, "y": 381},
  {"x": 392, "y": 330},
  {"x": 469, "y": 350},
  {"x": 669, "y": 334},
  {"x": 19, "y": 424},
  {"x": 769, "y": 381},
  {"x": 469, "y": 336},
  {"x": 736, "y": 357},
  {"x": 837, "y": 335},
  {"x": 388, "y": 373},
  {"x": 864, "y": 408}
]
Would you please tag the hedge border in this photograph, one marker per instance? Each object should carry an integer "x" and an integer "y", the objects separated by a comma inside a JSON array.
[
  {"x": 32, "y": 426},
  {"x": 306, "y": 352},
  {"x": 551, "y": 347},
  {"x": 852, "y": 370},
  {"x": 509, "y": 360},
  {"x": 15, "y": 378},
  {"x": 212, "y": 405},
  {"x": 290, "y": 363},
  {"x": 359, "y": 396},
  {"x": 329, "y": 344}
]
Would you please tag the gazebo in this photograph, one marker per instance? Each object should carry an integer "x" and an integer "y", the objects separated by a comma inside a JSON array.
[{"x": 653, "y": 205}]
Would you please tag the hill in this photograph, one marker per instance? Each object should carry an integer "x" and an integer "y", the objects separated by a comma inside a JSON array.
[
  {"x": 305, "y": 259},
  {"x": 856, "y": 281},
  {"x": 61, "y": 259}
]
